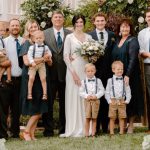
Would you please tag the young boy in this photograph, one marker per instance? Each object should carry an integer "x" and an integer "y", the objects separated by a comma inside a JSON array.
[
  {"x": 117, "y": 94},
  {"x": 36, "y": 51},
  {"x": 5, "y": 64},
  {"x": 91, "y": 90}
]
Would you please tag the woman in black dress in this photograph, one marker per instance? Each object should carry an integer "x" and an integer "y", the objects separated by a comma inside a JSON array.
[
  {"x": 36, "y": 107},
  {"x": 127, "y": 50}
]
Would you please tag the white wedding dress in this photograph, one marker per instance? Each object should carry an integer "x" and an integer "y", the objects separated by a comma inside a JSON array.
[{"x": 74, "y": 105}]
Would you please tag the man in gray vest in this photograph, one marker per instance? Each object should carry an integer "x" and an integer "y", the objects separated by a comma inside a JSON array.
[{"x": 54, "y": 39}]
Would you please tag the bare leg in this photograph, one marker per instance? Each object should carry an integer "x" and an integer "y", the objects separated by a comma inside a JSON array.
[
  {"x": 121, "y": 125},
  {"x": 30, "y": 128},
  {"x": 33, "y": 128},
  {"x": 87, "y": 126},
  {"x": 94, "y": 127},
  {"x": 30, "y": 85},
  {"x": 130, "y": 127},
  {"x": 111, "y": 125},
  {"x": 2, "y": 70},
  {"x": 44, "y": 86}
]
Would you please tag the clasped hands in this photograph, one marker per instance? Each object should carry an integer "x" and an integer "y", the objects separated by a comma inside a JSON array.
[{"x": 91, "y": 97}]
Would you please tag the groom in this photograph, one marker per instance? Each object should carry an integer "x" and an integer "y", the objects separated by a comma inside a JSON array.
[
  {"x": 103, "y": 64},
  {"x": 54, "y": 38}
]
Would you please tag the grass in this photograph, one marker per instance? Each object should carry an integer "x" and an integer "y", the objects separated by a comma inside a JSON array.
[{"x": 102, "y": 142}]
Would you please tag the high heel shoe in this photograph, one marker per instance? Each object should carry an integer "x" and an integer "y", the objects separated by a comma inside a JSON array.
[{"x": 25, "y": 136}]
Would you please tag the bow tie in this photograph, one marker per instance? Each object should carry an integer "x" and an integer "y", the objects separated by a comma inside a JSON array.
[
  {"x": 91, "y": 80},
  {"x": 40, "y": 45},
  {"x": 119, "y": 78}
]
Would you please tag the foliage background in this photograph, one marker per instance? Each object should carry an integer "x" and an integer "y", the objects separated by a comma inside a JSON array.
[{"x": 41, "y": 11}]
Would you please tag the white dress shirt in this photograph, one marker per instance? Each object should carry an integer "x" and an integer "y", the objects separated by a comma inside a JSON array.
[
  {"x": 144, "y": 38},
  {"x": 38, "y": 52},
  {"x": 61, "y": 33},
  {"x": 91, "y": 88},
  {"x": 105, "y": 35},
  {"x": 11, "y": 50},
  {"x": 118, "y": 90}
]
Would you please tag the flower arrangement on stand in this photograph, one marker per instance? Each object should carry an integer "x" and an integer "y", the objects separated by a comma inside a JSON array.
[{"x": 91, "y": 50}]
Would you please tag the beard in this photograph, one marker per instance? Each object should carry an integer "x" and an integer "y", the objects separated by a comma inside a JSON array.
[{"x": 15, "y": 32}]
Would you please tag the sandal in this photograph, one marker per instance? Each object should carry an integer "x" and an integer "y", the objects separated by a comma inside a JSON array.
[
  {"x": 44, "y": 98},
  {"x": 25, "y": 136},
  {"x": 29, "y": 97}
]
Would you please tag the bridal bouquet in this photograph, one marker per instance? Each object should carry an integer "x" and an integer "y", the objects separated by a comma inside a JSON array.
[{"x": 92, "y": 50}]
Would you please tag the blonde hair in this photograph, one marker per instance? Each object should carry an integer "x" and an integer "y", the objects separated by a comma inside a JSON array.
[
  {"x": 115, "y": 63},
  {"x": 90, "y": 65},
  {"x": 28, "y": 25},
  {"x": 38, "y": 32}
]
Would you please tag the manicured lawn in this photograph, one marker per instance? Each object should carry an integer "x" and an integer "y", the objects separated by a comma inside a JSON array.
[{"x": 102, "y": 142}]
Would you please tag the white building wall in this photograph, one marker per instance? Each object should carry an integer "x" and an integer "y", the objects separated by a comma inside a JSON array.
[{"x": 9, "y": 9}]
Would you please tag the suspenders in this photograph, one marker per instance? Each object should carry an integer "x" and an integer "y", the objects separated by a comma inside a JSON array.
[
  {"x": 2, "y": 42},
  {"x": 34, "y": 51},
  {"x": 113, "y": 89},
  {"x": 87, "y": 89}
]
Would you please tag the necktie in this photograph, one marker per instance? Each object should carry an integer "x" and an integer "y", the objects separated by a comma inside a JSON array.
[
  {"x": 18, "y": 47},
  {"x": 59, "y": 40},
  {"x": 91, "y": 80},
  {"x": 102, "y": 37},
  {"x": 119, "y": 78}
]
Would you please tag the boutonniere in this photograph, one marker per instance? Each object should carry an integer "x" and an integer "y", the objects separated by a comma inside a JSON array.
[{"x": 113, "y": 39}]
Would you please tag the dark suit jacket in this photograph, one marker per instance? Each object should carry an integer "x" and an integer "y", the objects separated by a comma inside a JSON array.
[
  {"x": 58, "y": 69},
  {"x": 103, "y": 64}
]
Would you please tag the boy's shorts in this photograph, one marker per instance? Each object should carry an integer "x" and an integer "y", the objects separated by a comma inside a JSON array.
[
  {"x": 40, "y": 68},
  {"x": 4, "y": 57},
  {"x": 91, "y": 108},
  {"x": 117, "y": 109}
]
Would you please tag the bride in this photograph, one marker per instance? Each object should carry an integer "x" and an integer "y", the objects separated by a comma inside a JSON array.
[{"x": 74, "y": 107}]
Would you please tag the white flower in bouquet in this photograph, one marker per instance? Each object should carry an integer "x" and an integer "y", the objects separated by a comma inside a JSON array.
[
  {"x": 49, "y": 14},
  {"x": 130, "y": 1},
  {"x": 140, "y": 19},
  {"x": 91, "y": 50},
  {"x": 43, "y": 24}
]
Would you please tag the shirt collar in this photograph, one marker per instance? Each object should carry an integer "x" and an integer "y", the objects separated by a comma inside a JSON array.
[
  {"x": 13, "y": 38},
  {"x": 55, "y": 30},
  {"x": 98, "y": 31}
]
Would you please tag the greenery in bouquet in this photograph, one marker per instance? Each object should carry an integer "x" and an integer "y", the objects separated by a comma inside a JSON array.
[
  {"x": 92, "y": 50},
  {"x": 41, "y": 11}
]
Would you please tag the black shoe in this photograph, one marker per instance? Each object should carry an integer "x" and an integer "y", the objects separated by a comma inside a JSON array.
[
  {"x": 1, "y": 84},
  {"x": 48, "y": 134},
  {"x": 14, "y": 136},
  {"x": 9, "y": 82}
]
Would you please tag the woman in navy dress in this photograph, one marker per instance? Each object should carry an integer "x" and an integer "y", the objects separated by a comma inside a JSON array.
[
  {"x": 36, "y": 107},
  {"x": 127, "y": 50}
]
